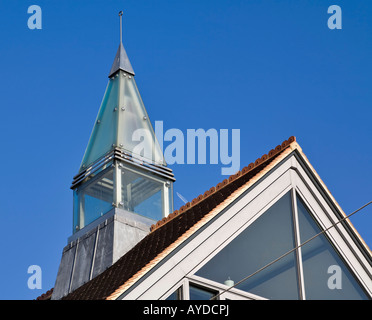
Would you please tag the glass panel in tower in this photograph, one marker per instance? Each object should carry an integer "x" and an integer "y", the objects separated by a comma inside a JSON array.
[
  {"x": 103, "y": 135},
  {"x": 93, "y": 199},
  {"x": 135, "y": 132}
]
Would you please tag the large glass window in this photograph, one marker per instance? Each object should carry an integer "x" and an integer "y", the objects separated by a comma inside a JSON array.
[
  {"x": 266, "y": 239},
  {"x": 325, "y": 274}
]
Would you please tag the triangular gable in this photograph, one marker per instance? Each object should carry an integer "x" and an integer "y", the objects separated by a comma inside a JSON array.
[
  {"x": 183, "y": 243},
  {"x": 286, "y": 178}
]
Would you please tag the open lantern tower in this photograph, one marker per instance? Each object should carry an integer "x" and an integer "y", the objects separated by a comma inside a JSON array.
[
  {"x": 123, "y": 165},
  {"x": 123, "y": 177}
]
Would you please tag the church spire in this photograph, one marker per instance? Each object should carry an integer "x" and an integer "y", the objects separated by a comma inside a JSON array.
[
  {"x": 121, "y": 61},
  {"x": 122, "y": 139},
  {"x": 123, "y": 185}
]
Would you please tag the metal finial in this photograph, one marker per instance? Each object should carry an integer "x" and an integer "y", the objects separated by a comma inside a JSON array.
[
  {"x": 121, "y": 61},
  {"x": 121, "y": 27}
]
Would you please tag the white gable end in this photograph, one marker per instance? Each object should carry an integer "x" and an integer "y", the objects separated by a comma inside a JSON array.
[{"x": 293, "y": 176}]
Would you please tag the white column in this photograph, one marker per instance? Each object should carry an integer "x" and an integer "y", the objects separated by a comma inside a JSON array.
[{"x": 117, "y": 184}]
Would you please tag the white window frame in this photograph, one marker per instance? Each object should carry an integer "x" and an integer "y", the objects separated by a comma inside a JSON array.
[{"x": 203, "y": 283}]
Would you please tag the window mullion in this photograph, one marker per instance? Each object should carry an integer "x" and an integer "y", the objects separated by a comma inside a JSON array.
[
  {"x": 298, "y": 250},
  {"x": 186, "y": 290}
]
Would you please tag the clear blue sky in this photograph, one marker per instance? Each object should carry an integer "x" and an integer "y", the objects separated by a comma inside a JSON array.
[{"x": 269, "y": 68}]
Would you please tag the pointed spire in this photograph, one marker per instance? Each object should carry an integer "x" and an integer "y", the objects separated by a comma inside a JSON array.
[{"x": 121, "y": 61}]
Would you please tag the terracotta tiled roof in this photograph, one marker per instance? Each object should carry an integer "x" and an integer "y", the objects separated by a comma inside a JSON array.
[
  {"x": 166, "y": 231},
  {"x": 45, "y": 296},
  {"x": 223, "y": 183}
]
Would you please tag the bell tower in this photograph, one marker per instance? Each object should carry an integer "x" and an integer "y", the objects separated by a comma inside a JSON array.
[{"x": 123, "y": 185}]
